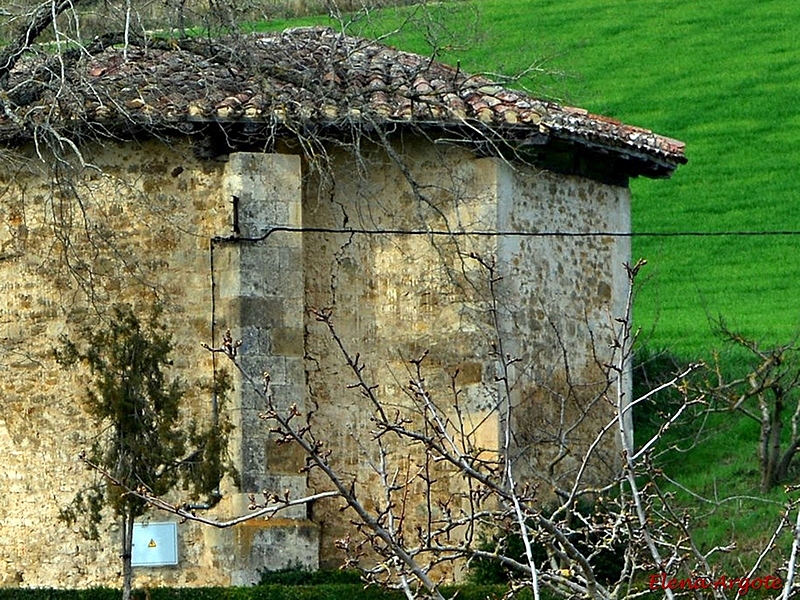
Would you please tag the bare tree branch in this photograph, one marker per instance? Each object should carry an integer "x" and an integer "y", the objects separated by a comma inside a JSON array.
[{"x": 39, "y": 20}]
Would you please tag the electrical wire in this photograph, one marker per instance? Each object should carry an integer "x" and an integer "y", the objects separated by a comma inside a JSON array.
[{"x": 501, "y": 233}]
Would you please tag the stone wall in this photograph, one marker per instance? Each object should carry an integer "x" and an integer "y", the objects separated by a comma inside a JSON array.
[
  {"x": 560, "y": 297},
  {"x": 153, "y": 222},
  {"x": 134, "y": 227},
  {"x": 395, "y": 296},
  {"x": 138, "y": 227}
]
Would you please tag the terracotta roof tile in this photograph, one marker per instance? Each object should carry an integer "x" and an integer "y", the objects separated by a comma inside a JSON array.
[{"x": 300, "y": 77}]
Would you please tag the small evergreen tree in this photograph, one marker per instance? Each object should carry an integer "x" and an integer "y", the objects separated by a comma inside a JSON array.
[{"x": 143, "y": 443}]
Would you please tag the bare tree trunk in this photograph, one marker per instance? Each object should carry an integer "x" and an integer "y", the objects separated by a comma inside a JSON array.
[
  {"x": 790, "y": 571},
  {"x": 771, "y": 428},
  {"x": 782, "y": 470},
  {"x": 127, "y": 551}
]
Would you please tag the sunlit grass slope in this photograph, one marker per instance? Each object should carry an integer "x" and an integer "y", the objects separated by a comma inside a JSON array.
[{"x": 722, "y": 76}]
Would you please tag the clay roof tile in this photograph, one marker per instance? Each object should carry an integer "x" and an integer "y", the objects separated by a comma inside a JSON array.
[{"x": 306, "y": 74}]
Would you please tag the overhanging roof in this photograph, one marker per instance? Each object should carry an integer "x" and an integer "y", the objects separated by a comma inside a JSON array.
[{"x": 300, "y": 79}]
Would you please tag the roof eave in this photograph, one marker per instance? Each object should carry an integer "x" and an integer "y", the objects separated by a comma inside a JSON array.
[{"x": 553, "y": 150}]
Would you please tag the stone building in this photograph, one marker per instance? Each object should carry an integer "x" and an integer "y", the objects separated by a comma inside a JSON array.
[{"x": 244, "y": 182}]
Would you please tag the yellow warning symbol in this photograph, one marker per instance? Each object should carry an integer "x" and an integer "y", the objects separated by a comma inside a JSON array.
[{"x": 152, "y": 543}]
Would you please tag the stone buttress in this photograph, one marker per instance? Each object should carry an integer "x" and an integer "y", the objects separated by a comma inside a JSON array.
[{"x": 259, "y": 297}]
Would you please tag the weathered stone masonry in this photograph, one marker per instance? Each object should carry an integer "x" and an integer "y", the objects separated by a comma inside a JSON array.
[
  {"x": 259, "y": 295},
  {"x": 393, "y": 297}
]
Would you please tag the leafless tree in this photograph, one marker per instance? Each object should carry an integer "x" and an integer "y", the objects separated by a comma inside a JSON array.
[{"x": 767, "y": 394}]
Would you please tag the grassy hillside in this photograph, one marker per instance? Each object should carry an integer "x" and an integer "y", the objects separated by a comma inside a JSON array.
[{"x": 720, "y": 76}]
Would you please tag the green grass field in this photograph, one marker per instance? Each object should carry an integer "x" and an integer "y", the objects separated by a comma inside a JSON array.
[{"x": 721, "y": 76}]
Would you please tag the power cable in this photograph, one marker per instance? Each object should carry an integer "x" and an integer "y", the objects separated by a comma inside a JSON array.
[{"x": 501, "y": 233}]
